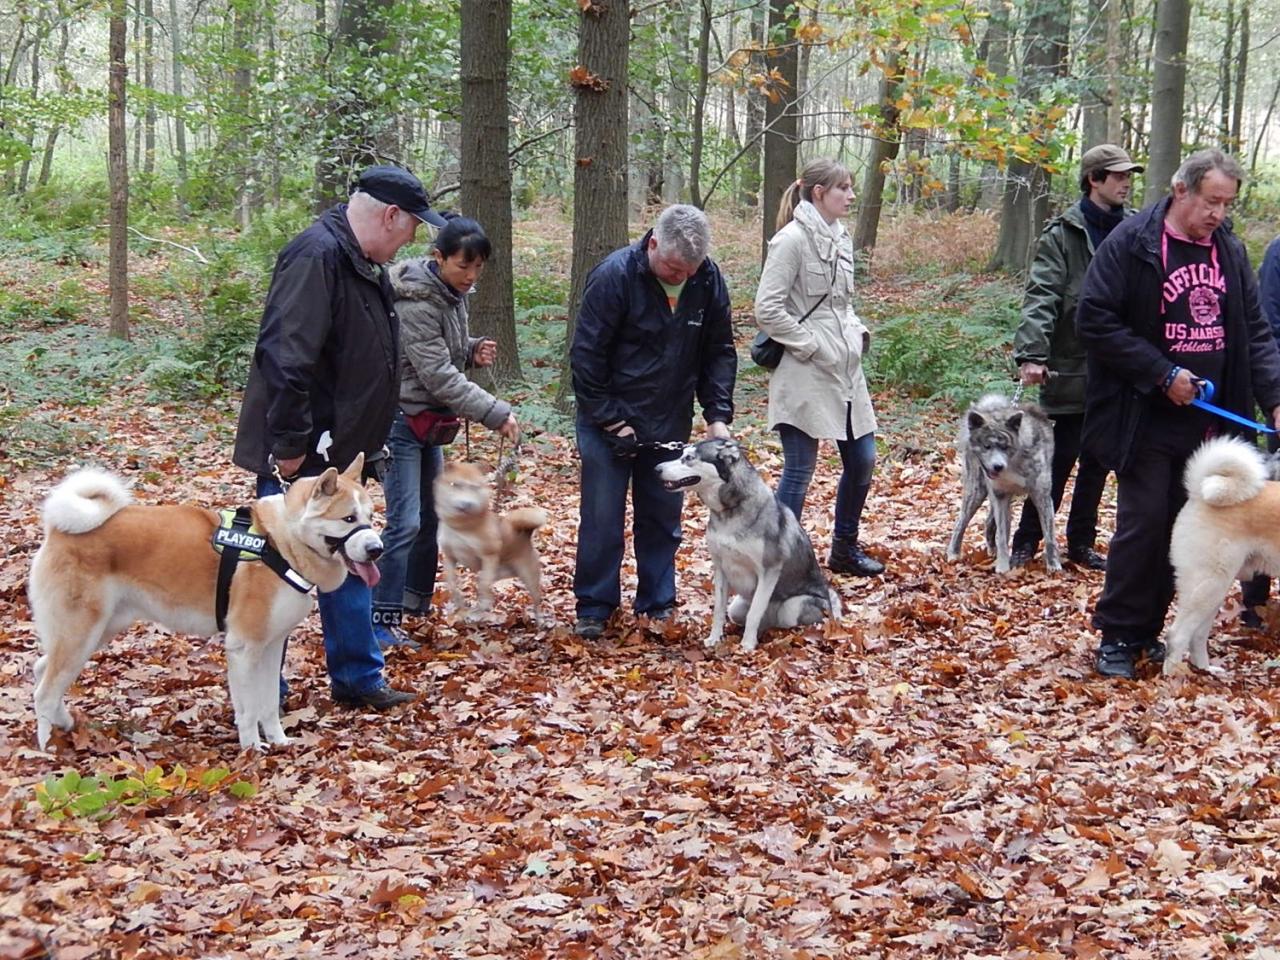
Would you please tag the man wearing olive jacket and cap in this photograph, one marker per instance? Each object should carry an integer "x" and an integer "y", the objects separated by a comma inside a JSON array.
[
  {"x": 325, "y": 381},
  {"x": 1049, "y": 353}
]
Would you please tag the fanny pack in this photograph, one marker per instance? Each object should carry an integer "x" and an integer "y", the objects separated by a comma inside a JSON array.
[{"x": 433, "y": 427}]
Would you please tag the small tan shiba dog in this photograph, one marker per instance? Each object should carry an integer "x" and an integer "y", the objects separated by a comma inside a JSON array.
[{"x": 472, "y": 535}]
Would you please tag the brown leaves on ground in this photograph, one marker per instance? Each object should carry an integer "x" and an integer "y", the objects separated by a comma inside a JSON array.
[{"x": 938, "y": 775}]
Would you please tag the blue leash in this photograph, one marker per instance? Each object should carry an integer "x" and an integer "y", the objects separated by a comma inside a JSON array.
[{"x": 1204, "y": 393}]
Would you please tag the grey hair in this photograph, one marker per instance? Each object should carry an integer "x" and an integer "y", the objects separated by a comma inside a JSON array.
[
  {"x": 1194, "y": 169},
  {"x": 362, "y": 204},
  {"x": 683, "y": 231}
]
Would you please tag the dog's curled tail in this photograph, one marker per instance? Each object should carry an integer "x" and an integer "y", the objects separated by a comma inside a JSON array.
[
  {"x": 1225, "y": 471},
  {"x": 85, "y": 501},
  {"x": 527, "y": 519}
]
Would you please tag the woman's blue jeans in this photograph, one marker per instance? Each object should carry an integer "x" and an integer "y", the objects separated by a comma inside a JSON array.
[
  {"x": 800, "y": 459},
  {"x": 351, "y": 654},
  {"x": 409, "y": 552}
]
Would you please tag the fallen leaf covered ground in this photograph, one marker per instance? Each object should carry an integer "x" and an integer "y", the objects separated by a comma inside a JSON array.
[{"x": 937, "y": 775}]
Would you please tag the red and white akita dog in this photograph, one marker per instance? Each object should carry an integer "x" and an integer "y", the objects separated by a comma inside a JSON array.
[{"x": 106, "y": 563}]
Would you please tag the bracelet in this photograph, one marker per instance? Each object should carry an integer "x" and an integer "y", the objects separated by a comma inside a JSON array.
[{"x": 1170, "y": 377}]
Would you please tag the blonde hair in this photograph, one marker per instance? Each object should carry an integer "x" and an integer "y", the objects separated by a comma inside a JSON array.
[{"x": 818, "y": 172}]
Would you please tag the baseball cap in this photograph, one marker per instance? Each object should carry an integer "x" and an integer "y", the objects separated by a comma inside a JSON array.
[
  {"x": 398, "y": 186},
  {"x": 1109, "y": 157}
]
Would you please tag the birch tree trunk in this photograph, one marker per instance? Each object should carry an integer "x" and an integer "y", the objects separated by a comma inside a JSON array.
[{"x": 118, "y": 172}]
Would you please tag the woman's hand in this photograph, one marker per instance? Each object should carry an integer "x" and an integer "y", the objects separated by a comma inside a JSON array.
[{"x": 486, "y": 353}]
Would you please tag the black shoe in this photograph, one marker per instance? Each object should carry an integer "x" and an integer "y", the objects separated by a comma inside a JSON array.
[
  {"x": 589, "y": 628},
  {"x": 1021, "y": 555},
  {"x": 1085, "y": 556},
  {"x": 379, "y": 698},
  {"x": 1251, "y": 618},
  {"x": 662, "y": 613},
  {"x": 847, "y": 557},
  {"x": 1116, "y": 660}
]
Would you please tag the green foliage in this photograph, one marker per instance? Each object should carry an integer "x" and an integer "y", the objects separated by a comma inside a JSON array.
[
  {"x": 954, "y": 353},
  {"x": 71, "y": 794}
]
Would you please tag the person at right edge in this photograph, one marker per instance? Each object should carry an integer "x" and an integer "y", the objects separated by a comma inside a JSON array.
[
  {"x": 1169, "y": 300},
  {"x": 1254, "y": 593},
  {"x": 1049, "y": 353},
  {"x": 819, "y": 389}
]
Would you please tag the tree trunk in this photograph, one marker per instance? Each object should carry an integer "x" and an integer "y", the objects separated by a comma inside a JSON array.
[
  {"x": 700, "y": 104},
  {"x": 1242, "y": 73},
  {"x": 677, "y": 125},
  {"x": 1095, "y": 105},
  {"x": 1168, "y": 91},
  {"x": 1115, "y": 44},
  {"x": 149, "y": 84},
  {"x": 780, "y": 155},
  {"x": 63, "y": 73},
  {"x": 750, "y": 182},
  {"x": 600, "y": 152},
  {"x": 25, "y": 173},
  {"x": 1025, "y": 205},
  {"x": 486, "y": 170},
  {"x": 179, "y": 123},
  {"x": 118, "y": 172},
  {"x": 884, "y": 149},
  {"x": 994, "y": 52},
  {"x": 242, "y": 40},
  {"x": 1224, "y": 78}
]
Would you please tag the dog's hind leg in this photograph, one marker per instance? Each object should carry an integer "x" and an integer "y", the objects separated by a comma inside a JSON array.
[
  {"x": 800, "y": 611},
  {"x": 69, "y": 639},
  {"x": 1198, "y": 604},
  {"x": 765, "y": 583},
  {"x": 720, "y": 584},
  {"x": 973, "y": 497},
  {"x": 1044, "y": 507}
]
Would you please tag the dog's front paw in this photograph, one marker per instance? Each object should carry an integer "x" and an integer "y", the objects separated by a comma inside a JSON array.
[
  {"x": 1174, "y": 668},
  {"x": 713, "y": 641},
  {"x": 952, "y": 555},
  {"x": 748, "y": 643},
  {"x": 1002, "y": 566}
]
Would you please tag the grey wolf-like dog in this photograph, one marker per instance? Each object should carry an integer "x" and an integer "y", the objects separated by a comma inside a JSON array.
[
  {"x": 1006, "y": 451},
  {"x": 758, "y": 549}
]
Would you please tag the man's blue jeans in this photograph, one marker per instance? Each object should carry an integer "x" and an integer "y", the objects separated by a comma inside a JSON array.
[
  {"x": 800, "y": 459},
  {"x": 601, "y": 523},
  {"x": 409, "y": 551},
  {"x": 346, "y": 616}
]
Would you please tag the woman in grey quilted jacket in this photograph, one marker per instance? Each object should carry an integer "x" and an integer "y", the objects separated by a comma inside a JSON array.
[
  {"x": 819, "y": 391},
  {"x": 436, "y": 349}
]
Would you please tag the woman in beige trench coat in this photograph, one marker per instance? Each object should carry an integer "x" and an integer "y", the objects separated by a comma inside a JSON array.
[{"x": 819, "y": 390}]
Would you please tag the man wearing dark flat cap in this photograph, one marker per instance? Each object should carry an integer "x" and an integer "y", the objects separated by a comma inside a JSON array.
[{"x": 324, "y": 384}]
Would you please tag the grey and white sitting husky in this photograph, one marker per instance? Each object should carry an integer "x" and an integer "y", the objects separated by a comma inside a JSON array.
[
  {"x": 1007, "y": 450},
  {"x": 758, "y": 549}
]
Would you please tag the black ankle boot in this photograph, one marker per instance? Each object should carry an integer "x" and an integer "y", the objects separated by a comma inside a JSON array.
[{"x": 847, "y": 557}]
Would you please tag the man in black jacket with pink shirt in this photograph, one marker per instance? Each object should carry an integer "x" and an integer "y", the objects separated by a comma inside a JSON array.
[{"x": 1169, "y": 299}]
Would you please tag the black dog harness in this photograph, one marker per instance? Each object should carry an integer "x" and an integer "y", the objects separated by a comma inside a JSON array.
[{"x": 237, "y": 540}]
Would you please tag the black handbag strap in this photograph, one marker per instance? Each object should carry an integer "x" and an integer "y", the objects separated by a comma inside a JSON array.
[{"x": 808, "y": 313}]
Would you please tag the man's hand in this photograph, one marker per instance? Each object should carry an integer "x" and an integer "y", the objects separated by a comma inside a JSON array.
[
  {"x": 1029, "y": 373},
  {"x": 290, "y": 467},
  {"x": 510, "y": 428},
  {"x": 621, "y": 439},
  {"x": 486, "y": 353},
  {"x": 717, "y": 430},
  {"x": 1183, "y": 389},
  {"x": 1275, "y": 418}
]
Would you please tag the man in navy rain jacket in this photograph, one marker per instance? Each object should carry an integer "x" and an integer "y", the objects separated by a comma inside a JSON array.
[{"x": 653, "y": 331}]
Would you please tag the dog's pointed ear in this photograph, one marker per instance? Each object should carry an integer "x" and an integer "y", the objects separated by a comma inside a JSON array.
[
  {"x": 326, "y": 485},
  {"x": 354, "y": 471},
  {"x": 976, "y": 420},
  {"x": 1014, "y": 422}
]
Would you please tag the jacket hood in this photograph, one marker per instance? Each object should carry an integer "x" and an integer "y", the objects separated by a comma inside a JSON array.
[{"x": 415, "y": 280}]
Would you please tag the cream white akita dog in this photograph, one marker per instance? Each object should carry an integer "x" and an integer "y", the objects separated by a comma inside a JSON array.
[{"x": 106, "y": 563}]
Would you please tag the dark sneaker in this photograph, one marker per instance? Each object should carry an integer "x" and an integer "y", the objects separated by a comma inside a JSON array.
[
  {"x": 1021, "y": 555},
  {"x": 389, "y": 636},
  {"x": 379, "y": 698},
  {"x": 1116, "y": 660},
  {"x": 1086, "y": 557},
  {"x": 589, "y": 628},
  {"x": 1250, "y": 617},
  {"x": 664, "y": 613}
]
